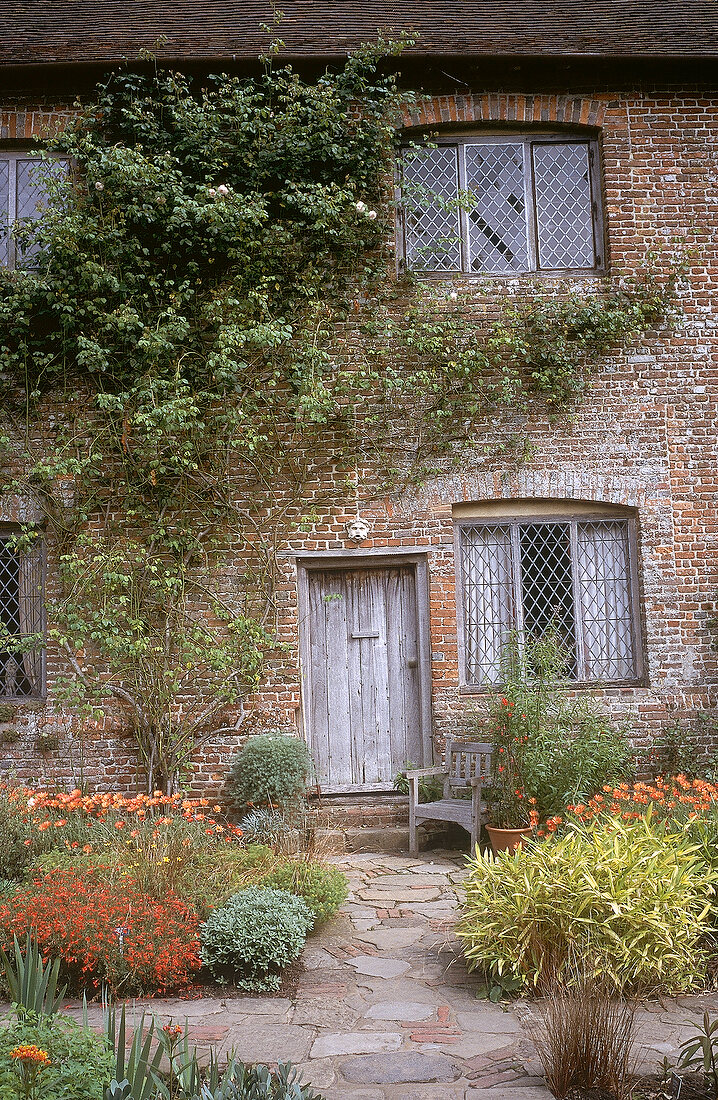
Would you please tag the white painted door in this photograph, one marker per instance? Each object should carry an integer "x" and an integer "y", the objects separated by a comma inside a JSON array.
[{"x": 362, "y": 694}]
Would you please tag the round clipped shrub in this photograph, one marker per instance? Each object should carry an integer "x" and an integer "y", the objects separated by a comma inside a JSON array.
[
  {"x": 323, "y": 888},
  {"x": 272, "y": 767},
  {"x": 254, "y": 935}
]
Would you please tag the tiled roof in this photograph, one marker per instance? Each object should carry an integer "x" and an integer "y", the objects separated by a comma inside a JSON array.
[{"x": 36, "y": 31}]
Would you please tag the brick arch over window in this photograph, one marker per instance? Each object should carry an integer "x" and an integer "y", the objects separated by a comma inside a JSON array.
[
  {"x": 568, "y": 484},
  {"x": 505, "y": 107}
]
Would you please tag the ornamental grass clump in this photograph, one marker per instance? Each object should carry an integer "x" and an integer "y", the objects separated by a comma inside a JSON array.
[
  {"x": 585, "y": 1038},
  {"x": 254, "y": 936},
  {"x": 630, "y": 898}
]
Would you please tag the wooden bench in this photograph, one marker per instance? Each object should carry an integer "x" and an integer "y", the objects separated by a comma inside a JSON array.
[{"x": 468, "y": 764}]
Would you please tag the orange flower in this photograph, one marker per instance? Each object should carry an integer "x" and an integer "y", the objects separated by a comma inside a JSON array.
[{"x": 29, "y": 1054}]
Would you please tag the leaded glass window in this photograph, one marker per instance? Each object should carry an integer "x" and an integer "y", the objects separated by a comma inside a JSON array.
[
  {"x": 21, "y": 620},
  {"x": 502, "y": 204},
  {"x": 575, "y": 576},
  {"x": 24, "y": 182}
]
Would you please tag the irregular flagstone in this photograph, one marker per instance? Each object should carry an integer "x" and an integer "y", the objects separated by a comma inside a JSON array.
[
  {"x": 262, "y": 1041},
  {"x": 391, "y": 939},
  {"x": 357, "y": 1042},
  {"x": 426, "y": 1092},
  {"x": 377, "y": 894},
  {"x": 326, "y": 1013},
  {"x": 399, "y": 1068},
  {"x": 378, "y": 967},
  {"x": 320, "y": 1074},
  {"x": 400, "y": 1011},
  {"x": 520, "y": 1092},
  {"x": 406, "y": 881},
  {"x": 494, "y": 1022}
]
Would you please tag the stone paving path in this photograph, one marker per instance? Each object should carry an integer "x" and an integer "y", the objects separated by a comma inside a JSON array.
[{"x": 384, "y": 1008}]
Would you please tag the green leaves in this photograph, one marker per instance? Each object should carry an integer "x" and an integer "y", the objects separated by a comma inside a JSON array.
[{"x": 630, "y": 900}]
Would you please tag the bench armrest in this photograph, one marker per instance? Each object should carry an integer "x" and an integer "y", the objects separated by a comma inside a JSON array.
[{"x": 418, "y": 772}]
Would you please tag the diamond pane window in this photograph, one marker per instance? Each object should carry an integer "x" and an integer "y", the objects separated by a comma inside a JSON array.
[
  {"x": 497, "y": 224},
  {"x": 24, "y": 184},
  {"x": 502, "y": 204},
  {"x": 21, "y": 621},
  {"x": 564, "y": 212},
  {"x": 432, "y": 231},
  {"x": 529, "y": 576}
]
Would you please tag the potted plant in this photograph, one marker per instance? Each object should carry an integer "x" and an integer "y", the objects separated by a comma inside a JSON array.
[{"x": 510, "y": 810}]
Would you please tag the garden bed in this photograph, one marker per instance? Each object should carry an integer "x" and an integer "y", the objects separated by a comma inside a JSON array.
[{"x": 128, "y": 891}]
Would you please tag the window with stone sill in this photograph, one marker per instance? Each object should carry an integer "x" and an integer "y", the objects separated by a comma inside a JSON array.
[
  {"x": 22, "y": 655},
  {"x": 502, "y": 204},
  {"x": 25, "y": 178},
  {"x": 572, "y": 574}
]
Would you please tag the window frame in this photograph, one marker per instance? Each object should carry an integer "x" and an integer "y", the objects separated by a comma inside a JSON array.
[
  {"x": 13, "y": 154},
  {"x": 528, "y": 138},
  {"x": 7, "y": 531},
  {"x": 573, "y": 518}
]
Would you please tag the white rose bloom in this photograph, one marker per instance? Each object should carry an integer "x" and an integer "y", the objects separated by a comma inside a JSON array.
[
  {"x": 222, "y": 190},
  {"x": 371, "y": 215},
  {"x": 99, "y": 186},
  {"x": 361, "y": 207},
  {"x": 212, "y": 192}
]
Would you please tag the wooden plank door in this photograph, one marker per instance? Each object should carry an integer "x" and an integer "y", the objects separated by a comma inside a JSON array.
[{"x": 363, "y": 690}]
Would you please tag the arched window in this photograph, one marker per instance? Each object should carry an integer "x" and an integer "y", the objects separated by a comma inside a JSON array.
[
  {"x": 503, "y": 203},
  {"x": 533, "y": 566}
]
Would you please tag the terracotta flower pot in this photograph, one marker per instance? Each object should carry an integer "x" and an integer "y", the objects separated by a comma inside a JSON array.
[{"x": 506, "y": 840}]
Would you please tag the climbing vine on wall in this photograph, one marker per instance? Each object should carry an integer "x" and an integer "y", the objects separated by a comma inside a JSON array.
[{"x": 213, "y": 317}]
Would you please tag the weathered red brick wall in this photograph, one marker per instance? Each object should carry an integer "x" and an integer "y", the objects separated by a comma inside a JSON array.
[{"x": 643, "y": 436}]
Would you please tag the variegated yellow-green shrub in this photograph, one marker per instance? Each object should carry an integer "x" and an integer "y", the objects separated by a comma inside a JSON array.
[{"x": 626, "y": 900}]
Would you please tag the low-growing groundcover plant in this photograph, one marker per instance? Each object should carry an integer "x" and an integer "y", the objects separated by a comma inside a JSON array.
[
  {"x": 631, "y": 899},
  {"x": 254, "y": 936}
]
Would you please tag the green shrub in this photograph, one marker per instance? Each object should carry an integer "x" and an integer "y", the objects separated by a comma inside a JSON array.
[
  {"x": 566, "y": 749},
  {"x": 631, "y": 898},
  {"x": 323, "y": 888},
  {"x": 81, "y": 1063},
  {"x": 20, "y": 842},
  {"x": 271, "y": 768},
  {"x": 254, "y": 935},
  {"x": 573, "y": 758}
]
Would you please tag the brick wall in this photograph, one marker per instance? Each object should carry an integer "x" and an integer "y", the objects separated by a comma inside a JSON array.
[{"x": 644, "y": 436}]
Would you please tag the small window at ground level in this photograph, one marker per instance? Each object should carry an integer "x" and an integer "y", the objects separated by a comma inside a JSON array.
[
  {"x": 503, "y": 204},
  {"x": 21, "y": 620},
  {"x": 24, "y": 183},
  {"x": 575, "y": 576}
]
